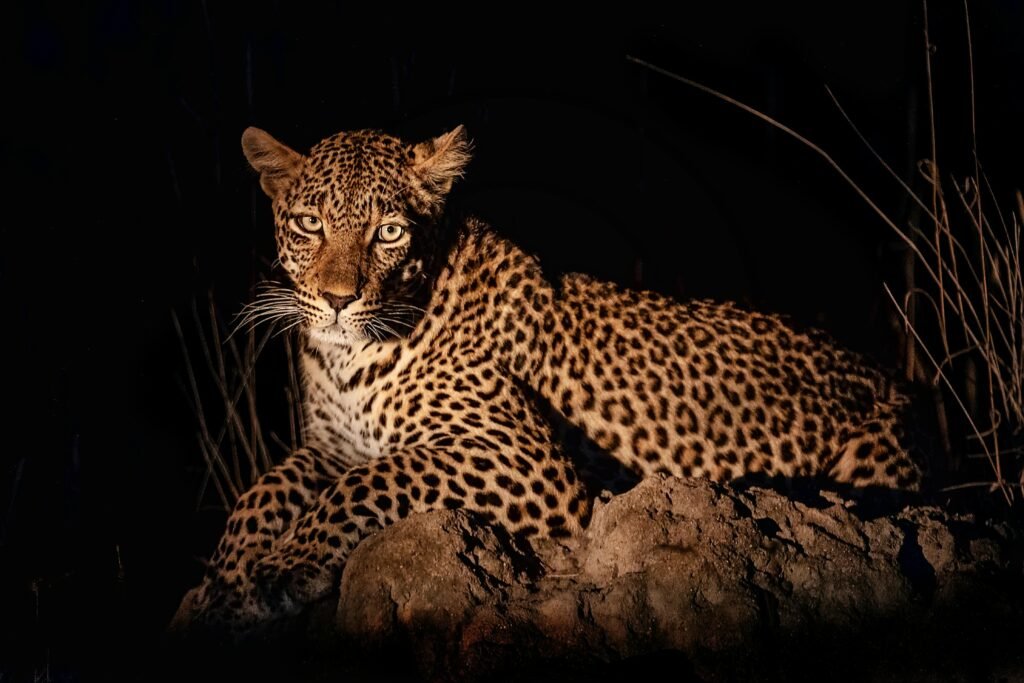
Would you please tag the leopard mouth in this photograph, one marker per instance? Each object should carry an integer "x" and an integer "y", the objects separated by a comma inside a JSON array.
[{"x": 375, "y": 322}]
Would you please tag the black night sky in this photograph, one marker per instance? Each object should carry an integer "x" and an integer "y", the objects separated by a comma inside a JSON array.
[{"x": 128, "y": 198}]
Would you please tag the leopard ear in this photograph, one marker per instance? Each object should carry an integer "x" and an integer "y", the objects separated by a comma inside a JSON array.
[
  {"x": 277, "y": 164},
  {"x": 438, "y": 162}
]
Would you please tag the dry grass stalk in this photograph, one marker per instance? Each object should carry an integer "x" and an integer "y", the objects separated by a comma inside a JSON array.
[{"x": 232, "y": 440}]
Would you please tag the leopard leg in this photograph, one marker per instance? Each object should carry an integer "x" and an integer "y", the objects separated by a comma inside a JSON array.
[
  {"x": 876, "y": 454},
  {"x": 538, "y": 493},
  {"x": 259, "y": 517}
]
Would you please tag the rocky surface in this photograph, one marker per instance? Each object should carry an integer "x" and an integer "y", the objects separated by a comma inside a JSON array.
[{"x": 690, "y": 580}]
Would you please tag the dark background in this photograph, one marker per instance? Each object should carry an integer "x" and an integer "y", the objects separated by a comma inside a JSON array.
[{"x": 127, "y": 197}]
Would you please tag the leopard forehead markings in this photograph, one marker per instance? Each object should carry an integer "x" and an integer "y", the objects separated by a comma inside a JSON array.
[{"x": 475, "y": 382}]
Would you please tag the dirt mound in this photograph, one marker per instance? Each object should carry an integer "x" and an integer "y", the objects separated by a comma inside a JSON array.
[{"x": 688, "y": 579}]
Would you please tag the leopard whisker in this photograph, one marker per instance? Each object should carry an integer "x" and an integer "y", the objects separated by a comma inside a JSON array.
[
  {"x": 399, "y": 311},
  {"x": 289, "y": 326},
  {"x": 386, "y": 327},
  {"x": 371, "y": 330},
  {"x": 398, "y": 304},
  {"x": 272, "y": 305},
  {"x": 270, "y": 320},
  {"x": 264, "y": 313},
  {"x": 396, "y": 321}
]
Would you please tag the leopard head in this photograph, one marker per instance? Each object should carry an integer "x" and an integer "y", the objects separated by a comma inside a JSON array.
[{"x": 358, "y": 228}]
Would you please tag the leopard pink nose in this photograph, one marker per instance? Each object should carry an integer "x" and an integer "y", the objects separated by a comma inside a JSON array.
[{"x": 338, "y": 302}]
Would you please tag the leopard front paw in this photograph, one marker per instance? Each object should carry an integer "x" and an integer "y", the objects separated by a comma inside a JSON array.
[
  {"x": 287, "y": 584},
  {"x": 220, "y": 609}
]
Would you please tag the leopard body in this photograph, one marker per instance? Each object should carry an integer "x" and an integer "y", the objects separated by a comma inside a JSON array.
[{"x": 441, "y": 369}]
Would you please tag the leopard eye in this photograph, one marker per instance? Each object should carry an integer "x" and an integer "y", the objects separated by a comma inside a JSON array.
[
  {"x": 308, "y": 223},
  {"x": 390, "y": 233}
]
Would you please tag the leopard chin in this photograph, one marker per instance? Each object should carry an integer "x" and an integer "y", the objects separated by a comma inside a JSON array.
[{"x": 336, "y": 334}]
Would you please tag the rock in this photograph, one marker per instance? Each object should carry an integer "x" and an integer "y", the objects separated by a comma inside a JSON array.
[
  {"x": 423, "y": 581},
  {"x": 732, "y": 583}
]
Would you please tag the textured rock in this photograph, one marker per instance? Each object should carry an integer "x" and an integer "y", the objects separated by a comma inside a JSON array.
[{"x": 731, "y": 583}]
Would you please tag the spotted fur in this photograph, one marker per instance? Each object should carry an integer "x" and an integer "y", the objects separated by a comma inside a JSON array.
[{"x": 443, "y": 370}]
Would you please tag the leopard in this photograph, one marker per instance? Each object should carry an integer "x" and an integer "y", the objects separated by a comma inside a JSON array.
[{"x": 442, "y": 370}]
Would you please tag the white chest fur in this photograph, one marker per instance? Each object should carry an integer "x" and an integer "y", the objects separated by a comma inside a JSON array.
[{"x": 344, "y": 412}]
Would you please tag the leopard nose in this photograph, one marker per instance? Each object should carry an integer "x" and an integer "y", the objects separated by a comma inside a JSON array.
[{"x": 338, "y": 302}]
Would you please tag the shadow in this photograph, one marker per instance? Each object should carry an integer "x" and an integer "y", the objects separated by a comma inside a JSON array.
[
  {"x": 866, "y": 502},
  {"x": 914, "y": 565},
  {"x": 974, "y": 634}
]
